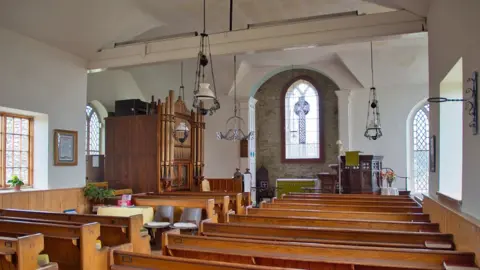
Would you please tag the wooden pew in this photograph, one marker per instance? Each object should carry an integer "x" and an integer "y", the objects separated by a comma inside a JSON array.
[
  {"x": 222, "y": 203},
  {"x": 113, "y": 231},
  {"x": 128, "y": 260},
  {"x": 208, "y": 205},
  {"x": 72, "y": 247},
  {"x": 345, "y": 201},
  {"x": 409, "y": 217},
  {"x": 349, "y": 196},
  {"x": 25, "y": 249},
  {"x": 308, "y": 256},
  {"x": 334, "y": 223},
  {"x": 240, "y": 200},
  {"x": 352, "y": 207},
  {"x": 225, "y": 184},
  {"x": 322, "y": 235}
]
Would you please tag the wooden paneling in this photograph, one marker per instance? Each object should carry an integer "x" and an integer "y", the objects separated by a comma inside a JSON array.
[
  {"x": 465, "y": 229},
  {"x": 225, "y": 184},
  {"x": 131, "y": 153},
  {"x": 55, "y": 200}
]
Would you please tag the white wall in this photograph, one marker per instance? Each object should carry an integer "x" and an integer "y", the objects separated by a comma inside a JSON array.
[
  {"x": 395, "y": 103},
  {"x": 111, "y": 85},
  {"x": 452, "y": 27},
  {"x": 451, "y": 132},
  {"x": 39, "y": 78}
]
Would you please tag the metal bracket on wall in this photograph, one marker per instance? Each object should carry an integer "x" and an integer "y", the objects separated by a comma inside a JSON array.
[{"x": 472, "y": 101}]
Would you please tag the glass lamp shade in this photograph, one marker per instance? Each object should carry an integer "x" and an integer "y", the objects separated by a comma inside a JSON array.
[
  {"x": 204, "y": 92},
  {"x": 373, "y": 132},
  {"x": 181, "y": 132},
  {"x": 233, "y": 130}
]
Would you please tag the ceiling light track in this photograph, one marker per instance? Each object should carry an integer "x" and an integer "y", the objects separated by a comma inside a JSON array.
[
  {"x": 303, "y": 19},
  {"x": 143, "y": 41}
]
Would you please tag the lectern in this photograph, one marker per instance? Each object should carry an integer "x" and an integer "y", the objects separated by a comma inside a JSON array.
[{"x": 363, "y": 178}]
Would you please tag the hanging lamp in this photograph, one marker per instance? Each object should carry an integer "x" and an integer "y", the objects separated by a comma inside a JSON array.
[
  {"x": 373, "y": 128},
  {"x": 203, "y": 95},
  {"x": 181, "y": 132},
  {"x": 233, "y": 125}
]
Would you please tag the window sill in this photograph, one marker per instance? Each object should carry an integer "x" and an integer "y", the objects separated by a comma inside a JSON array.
[
  {"x": 449, "y": 201},
  {"x": 25, "y": 189}
]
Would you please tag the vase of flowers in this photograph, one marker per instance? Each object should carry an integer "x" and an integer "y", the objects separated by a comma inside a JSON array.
[{"x": 389, "y": 176}]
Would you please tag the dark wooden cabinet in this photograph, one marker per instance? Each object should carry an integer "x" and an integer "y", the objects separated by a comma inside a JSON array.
[
  {"x": 131, "y": 152},
  {"x": 364, "y": 178}
]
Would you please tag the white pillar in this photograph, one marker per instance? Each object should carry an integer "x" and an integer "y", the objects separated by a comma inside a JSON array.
[{"x": 344, "y": 118}]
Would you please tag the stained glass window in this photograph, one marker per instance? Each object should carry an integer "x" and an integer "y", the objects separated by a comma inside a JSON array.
[
  {"x": 92, "y": 132},
  {"x": 15, "y": 148},
  {"x": 302, "y": 125},
  {"x": 421, "y": 149}
]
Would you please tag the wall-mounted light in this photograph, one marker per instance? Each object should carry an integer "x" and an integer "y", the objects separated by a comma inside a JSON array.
[{"x": 472, "y": 101}]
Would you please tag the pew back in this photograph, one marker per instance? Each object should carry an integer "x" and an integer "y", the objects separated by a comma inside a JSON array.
[
  {"x": 352, "y": 207},
  {"x": 307, "y": 256},
  {"x": 128, "y": 260},
  {"x": 334, "y": 223},
  {"x": 24, "y": 248},
  {"x": 417, "y": 217},
  {"x": 114, "y": 230},
  {"x": 334, "y": 201}
]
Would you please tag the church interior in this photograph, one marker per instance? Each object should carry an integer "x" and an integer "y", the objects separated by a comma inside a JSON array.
[{"x": 239, "y": 134}]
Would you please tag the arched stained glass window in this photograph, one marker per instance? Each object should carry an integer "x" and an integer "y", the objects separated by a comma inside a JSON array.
[
  {"x": 421, "y": 149},
  {"x": 92, "y": 132},
  {"x": 301, "y": 120}
]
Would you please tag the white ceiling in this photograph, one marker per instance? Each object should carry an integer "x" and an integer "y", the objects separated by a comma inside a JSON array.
[{"x": 82, "y": 27}]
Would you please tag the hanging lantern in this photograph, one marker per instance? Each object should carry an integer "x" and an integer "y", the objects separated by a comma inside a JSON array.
[
  {"x": 373, "y": 128},
  {"x": 205, "y": 97},
  {"x": 181, "y": 132},
  {"x": 233, "y": 125}
]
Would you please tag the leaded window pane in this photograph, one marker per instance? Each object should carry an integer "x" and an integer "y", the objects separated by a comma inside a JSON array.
[
  {"x": 92, "y": 132},
  {"x": 421, "y": 149},
  {"x": 301, "y": 121}
]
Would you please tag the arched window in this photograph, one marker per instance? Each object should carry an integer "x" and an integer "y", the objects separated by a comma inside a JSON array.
[
  {"x": 301, "y": 129},
  {"x": 421, "y": 147},
  {"x": 92, "y": 132}
]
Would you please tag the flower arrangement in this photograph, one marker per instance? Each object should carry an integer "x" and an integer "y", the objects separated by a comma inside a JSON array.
[{"x": 389, "y": 176}]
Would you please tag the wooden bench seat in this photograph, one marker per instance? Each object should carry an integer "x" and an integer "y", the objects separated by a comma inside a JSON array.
[
  {"x": 113, "y": 230},
  {"x": 222, "y": 203},
  {"x": 208, "y": 205},
  {"x": 414, "y": 217},
  {"x": 72, "y": 247},
  {"x": 339, "y": 236},
  {"x": 307, "y": 256},
  {"x": 346, "y": 201},
  {"x": 335, "y": 223},
  {"x": 246, "y": 196},
  {"x": 24, "y": 248},
  {"x": 352, "y": 208},
  {"x": 128, "y": 260},
  {"x": 350, "y": 196}
]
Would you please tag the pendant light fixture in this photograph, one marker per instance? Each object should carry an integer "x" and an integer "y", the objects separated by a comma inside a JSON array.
[
  {"x": 373, "y": 129},
  {"x": 233, "y": 125},
  {"x": 203, "y": 95},
  {"x": 181, "y": 132}
]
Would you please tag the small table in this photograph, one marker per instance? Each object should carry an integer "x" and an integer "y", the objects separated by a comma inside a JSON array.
[
  {"x": 152, "y": 228},
  {"x": 389, "y": 191},
  {"x": 118, "y": 211}
]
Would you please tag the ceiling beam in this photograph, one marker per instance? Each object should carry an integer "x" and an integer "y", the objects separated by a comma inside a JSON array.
[{"x": 320, "y": 32}]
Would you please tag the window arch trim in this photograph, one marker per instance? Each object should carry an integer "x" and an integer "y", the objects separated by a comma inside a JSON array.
[
  {"x": 321, "y": 149},
  {"x": 88, "y": 118}
]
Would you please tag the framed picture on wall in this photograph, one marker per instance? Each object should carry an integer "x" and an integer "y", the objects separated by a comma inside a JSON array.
[
  {"x": 432, "y": 153},
  {"x": 65, "y": 147}
]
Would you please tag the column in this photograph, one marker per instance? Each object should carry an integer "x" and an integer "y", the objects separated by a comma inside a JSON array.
[{"x": 344, "y": 118}]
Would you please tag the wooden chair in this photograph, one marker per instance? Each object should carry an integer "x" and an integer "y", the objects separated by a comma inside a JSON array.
[{"x": 328, "y": 182}]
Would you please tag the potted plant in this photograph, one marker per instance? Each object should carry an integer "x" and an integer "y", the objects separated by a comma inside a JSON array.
[
  {"x": 15, "y": 182},
  {"x": 97, "y": 195}
]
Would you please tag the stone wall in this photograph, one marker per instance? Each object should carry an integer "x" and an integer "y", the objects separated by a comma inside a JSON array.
[{"x": 269, "y": 125}]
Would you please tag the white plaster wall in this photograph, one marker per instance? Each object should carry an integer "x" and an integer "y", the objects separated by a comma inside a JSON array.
[
  {"x": 452, "y": 26},
  {"x": 39, "y": 78},
  {"x": 395, "y": 103},
  {"x": 111, "y": 85}
]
